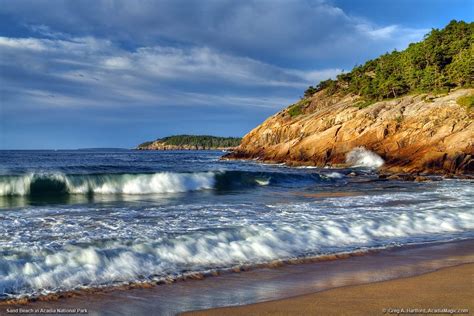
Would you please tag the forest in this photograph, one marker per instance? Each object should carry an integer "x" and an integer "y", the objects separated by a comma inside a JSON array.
[
  {"x": 442, "y": 61},
  {"x": 202, "y": 141}
]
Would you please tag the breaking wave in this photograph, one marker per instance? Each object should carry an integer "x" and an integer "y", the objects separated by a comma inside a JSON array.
[
  {"x": 42, "y": 271},
  {"x": 57, "y": 183},
  {"x": 361, "y": 157},
  {"x": 163, "y": 182}
]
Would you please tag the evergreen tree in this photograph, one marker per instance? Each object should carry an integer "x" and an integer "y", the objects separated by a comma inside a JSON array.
[{"x": 442, "y": 61}]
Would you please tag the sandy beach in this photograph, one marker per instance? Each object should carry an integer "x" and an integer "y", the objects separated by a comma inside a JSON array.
[{"x": 450, "y": 289}]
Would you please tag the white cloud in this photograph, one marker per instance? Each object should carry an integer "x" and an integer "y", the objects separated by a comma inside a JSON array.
[
  {"x": 378, "y": 33},
  {"x": 391, "y": 32},
  {"x": 117, "y": 62},
  {"x": 22, "y": 43},
  {"x": 93, "y": 72},
  {"x": 317, "y": 75},
  {"x": 137, "y": 60},
  {"x": 266, "y": 30},
  {"x": 223, "y": 48}
]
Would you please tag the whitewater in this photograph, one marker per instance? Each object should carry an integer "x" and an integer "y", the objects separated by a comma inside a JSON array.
[{"x": 85, "y": 219}]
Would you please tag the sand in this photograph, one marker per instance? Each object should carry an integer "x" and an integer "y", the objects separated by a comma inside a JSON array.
[{"x": 450, "y": 288}]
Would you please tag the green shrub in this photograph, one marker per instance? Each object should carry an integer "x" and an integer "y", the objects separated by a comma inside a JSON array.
[
  {"x": 310, "y": 91},
  {"x": 467, "y": 101},
  {"x": 295, "y": 110},
  {"x": 364, "y": 103}
]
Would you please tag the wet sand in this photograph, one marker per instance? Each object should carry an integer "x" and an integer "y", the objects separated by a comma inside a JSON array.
[
  {"x": 267, "y": 284},
  {"x": 449, "y": 288}
]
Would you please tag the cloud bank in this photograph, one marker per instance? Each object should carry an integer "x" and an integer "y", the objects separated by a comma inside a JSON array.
[{"x": 190, "y": 56}]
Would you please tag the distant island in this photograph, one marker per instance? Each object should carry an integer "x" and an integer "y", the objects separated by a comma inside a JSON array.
[{"x": 191, "y": 142}]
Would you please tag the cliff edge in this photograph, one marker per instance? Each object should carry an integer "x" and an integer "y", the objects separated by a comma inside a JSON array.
[{"x": 414, "y": 133}]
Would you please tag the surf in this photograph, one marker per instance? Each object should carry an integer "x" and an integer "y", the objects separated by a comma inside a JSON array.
[
  {"x": 58, "y": 184},
  {"x": 27, "y": 272},
  {"x": 61, "y": 184}
]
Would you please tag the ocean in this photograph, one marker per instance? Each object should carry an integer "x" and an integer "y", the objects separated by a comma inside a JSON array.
[{"x": 99, "y": 218}]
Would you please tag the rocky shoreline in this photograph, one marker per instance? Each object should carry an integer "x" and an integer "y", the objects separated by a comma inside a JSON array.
[{"x": 414, "y": 134}]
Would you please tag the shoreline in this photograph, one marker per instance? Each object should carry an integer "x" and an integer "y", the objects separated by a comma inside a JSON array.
[
  {"x": 198, "y": 275},
  {"x": 385, "y": 172},
  {"x": 446, "y": 290},
  {"x": 266, "y": 283},
  {"x": 329, "y": 129}
]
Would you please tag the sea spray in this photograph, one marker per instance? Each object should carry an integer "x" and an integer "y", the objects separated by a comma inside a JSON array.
[
  {"x": 361, "y": 157},
  {"x": 262, "y": 181},
  {"x": 334, "y": 175}
]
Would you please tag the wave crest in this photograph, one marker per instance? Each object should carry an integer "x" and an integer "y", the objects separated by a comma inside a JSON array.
[
  {"x": 361, "y": 157},
  {"x": 57, "y": 183}
]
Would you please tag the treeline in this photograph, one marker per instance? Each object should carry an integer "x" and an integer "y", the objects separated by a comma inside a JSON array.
[
  {"x": 442, "y": 61},
  {"x": 201, "y": 141}
]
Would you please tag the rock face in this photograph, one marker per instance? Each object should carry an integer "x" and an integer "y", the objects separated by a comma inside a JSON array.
[{"x": 420, "y": 133}]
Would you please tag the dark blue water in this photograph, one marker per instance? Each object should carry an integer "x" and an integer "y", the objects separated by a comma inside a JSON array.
[{"x": 74, "y": 219}]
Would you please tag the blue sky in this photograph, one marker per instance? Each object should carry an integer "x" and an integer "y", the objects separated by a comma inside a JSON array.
[{"x": 92, "y": 73}]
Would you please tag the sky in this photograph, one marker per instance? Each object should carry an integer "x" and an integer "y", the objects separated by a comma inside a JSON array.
[{"x": 103, "y": 73}]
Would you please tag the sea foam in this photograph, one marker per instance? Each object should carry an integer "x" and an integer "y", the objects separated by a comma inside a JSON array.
[
  {"x": 361, "y": 157},
  {"x": 124, "y": 247}
]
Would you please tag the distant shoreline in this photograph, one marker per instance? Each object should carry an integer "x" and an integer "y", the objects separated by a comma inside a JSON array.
[
  {"x": 191, "y": 142},
  {"x": 185, "y": 148}
]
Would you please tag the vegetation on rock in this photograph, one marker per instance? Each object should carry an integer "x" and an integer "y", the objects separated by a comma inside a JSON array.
[
  {"x": 421, "y": 130},
  {"x": 297, "y": 108},
  {"x": 442, "y": 61},
  {"x": 466, "y": 101}
]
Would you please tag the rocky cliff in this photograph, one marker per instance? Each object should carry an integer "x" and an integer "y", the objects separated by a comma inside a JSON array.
[{"x": 414, "y": 133}]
